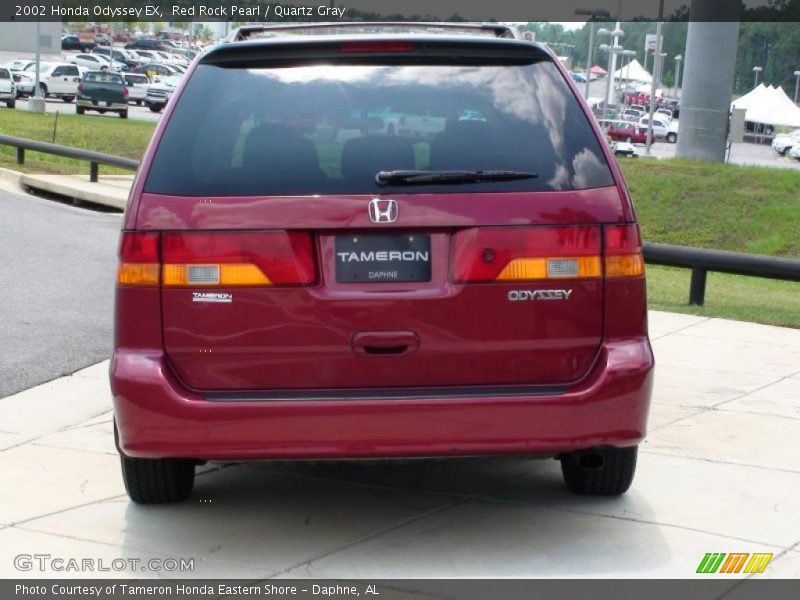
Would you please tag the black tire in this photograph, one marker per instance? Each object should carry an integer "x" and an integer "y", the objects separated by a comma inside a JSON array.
[
  {"x": 79, "y": 110},
  {"x": 600, "y": 472},
  {"x": 138, "y": 103},
  {"x": 123, "y": 114},
  {"x": 68, "y": 99},
  {"x": 154, "y": 480},
  {"x": 154, "y": 108},
  {"x": 672, "y": 138},
  {"x": 11, "y": 104},
  {"x": 42, "y": 91}
]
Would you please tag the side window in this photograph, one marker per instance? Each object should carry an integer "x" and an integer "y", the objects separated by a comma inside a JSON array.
[
  {"x": 58, "y": 72},
  {"x": 71, "y": 71},
  {"x": 4, "y": 74}
]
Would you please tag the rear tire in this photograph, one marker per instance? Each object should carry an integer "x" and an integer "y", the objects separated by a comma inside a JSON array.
[
  {"x": 154, "y": 481},
  {"x": 11, "y": 104},
  {"x": 68, "y": 99},
  {"x": 672, "y": 138},
  {"x": 123, "y": 114},
  {"x": 154, "y": 108},
  {"x": 79, "y": 110},
  {"x": 611, "y": 478}
]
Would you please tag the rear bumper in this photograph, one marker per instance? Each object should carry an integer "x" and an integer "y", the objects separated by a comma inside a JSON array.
[
  {"x": 157, "y": 417},
  {"x": 92, "y": 105}
]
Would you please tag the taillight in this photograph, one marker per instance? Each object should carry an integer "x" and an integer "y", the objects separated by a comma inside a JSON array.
[
  {"x": 80, "y": 88},
  {"x": 526, "y": 254},
  {"x": 623, "y": 251},
  {"x": 237, "y": 259},
  {"x": 125, "y": 92},
  {"x": 276, "y": 258},
  {"x": 138, "y": 259},
  {"x": 378, "y": 46}
]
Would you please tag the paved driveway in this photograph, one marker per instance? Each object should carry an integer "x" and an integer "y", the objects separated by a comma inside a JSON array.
[{"x": 718, "y": 473}]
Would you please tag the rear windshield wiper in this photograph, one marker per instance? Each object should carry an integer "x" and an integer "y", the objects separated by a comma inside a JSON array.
[{"x": 423, "y": 177}]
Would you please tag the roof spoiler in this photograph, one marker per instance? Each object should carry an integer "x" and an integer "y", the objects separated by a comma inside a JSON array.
[{"x": 247, "y": 32}]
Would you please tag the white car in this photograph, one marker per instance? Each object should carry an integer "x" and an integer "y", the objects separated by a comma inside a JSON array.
[
  {"x": 8, "y": 89},
  {"x": 59, "y": 80},
  {"x": 94, "y": 62},
  {"x": 795, "y": 152},
  {"x": 17, "y": 64},
  {"x": 785, "y": 142},
  {"x": 660, "y": 127},
  {"x": 160, "y": 91},
  {"x": 137, "y": 87},
  {"x": 665, "y": 114}
]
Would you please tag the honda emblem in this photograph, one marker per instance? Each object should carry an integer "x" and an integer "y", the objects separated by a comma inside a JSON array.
[{"x": 382, "y": 211}]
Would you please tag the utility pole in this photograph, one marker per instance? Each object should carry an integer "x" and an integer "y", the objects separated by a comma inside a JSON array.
[
  {"x": 796, "y": 85},
  {"x": 706, "y": 93}
]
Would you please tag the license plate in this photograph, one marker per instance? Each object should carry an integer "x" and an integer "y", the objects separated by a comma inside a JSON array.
[{"x": 383, "y": 258}]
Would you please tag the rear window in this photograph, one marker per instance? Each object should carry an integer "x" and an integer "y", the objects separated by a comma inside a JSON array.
[
  {"x": 136, "y": 79},
  {"x": 103, "y": 78},
  {"x": 329, "y": 129}
]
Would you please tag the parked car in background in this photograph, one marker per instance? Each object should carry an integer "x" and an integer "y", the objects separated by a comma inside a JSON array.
[
  {"x": 660, "y": 126},
  {"x": 160, "y": 91},
  {"x": 794, "y": 152},
  {"x": 578, "y": 77},
  {"x": 478, "y": 290},
  {"x": 95, "y": 61},
  {"x": 103, "y": 91},
  {"x": 664, "y": 113},
  {"x": 17, "y": 64},
  {"x": 632, "y": 114},
  {"x": 624, "y": 131},
  {"x": 120, "y": 56},
  {"x": 157, "y": 69},
  {"x": 145, "y": 44},
  {"x": 782, "y": 143},
  {"x": 57, "y": 80},
  {"x": 73, "y": 42},
  {"x": 138, "y": 84},
  {"x": 8, "y": 88}
]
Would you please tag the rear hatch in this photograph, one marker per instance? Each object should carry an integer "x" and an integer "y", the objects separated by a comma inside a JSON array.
[
  {"x": 289, "y": 263},
  {"x": 103, "y": 89}
]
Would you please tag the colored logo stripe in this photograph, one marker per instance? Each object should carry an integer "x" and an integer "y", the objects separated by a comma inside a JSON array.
[
  {"x": 713, "y": 562},
  {"x": 758, "y": 562}
]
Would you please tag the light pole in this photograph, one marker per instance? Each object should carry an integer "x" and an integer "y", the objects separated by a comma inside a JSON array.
[
  {"x": 593, "y": 15},
  {"x": 629, "y": 54},
  {"x": 678, "y": 59},
  {"x": 612, "y": 50},
  {"x": 756, "y": 71},
  {"x": 656, "y": 76},
  {"x": 796, "y": 84}
]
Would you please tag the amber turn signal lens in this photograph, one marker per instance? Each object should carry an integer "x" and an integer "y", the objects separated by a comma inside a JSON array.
[
  {"x": 626, "y": 265},
  {"x": 137, "y": 274}
]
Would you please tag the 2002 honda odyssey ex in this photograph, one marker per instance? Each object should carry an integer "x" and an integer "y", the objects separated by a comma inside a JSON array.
[{"x": 379, "y": 246}]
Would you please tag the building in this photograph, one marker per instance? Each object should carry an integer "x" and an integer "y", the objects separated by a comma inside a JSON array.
[{"x": 20, "y": 36}]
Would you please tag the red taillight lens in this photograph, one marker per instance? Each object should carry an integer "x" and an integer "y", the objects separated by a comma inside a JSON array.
[
  {"x": 80, "y": 88},
  {"x": 237, "y": 259},
  {"x": 623, "y": 251},
  {"x": 526, "y": 254},
  {"x": 384, "y": 46},
  {"x": 138, "y": 259},
  {"x": 125, "y": 92}
]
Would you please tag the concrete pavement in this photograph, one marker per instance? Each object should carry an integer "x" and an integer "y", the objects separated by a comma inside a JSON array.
[{"x": 718, "y": 473}]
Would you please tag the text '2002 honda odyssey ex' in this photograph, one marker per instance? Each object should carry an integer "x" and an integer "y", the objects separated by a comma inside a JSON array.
[{"x": 379, "y": 246}]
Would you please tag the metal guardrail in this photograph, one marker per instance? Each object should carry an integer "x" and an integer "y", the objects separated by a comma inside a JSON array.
[
  {"x": 699, "y": 260},
  {"x": 95, "y": 159},
  {"x": 702, "y": 260}
]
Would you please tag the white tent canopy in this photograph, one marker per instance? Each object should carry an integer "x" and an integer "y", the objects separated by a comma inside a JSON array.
[
  {"x": 633, "y": 71},
  {"x": 768, "y": 105}
]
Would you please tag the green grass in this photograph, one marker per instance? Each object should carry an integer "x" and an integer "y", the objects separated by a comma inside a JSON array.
[
  {"x": 729, "y": 207},
  {"x": 735, "y": 297},
  {"x": 711, "y": 205},
  {"x": 108, "y": 134}
]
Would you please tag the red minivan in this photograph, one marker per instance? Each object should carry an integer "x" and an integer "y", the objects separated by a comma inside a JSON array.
[{"x": 298, "y": 280}]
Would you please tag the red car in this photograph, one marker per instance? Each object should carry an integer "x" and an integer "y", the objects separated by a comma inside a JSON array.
[
  {"x": 287, "y": 293},
  {"x": 625, "y": 131}
]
